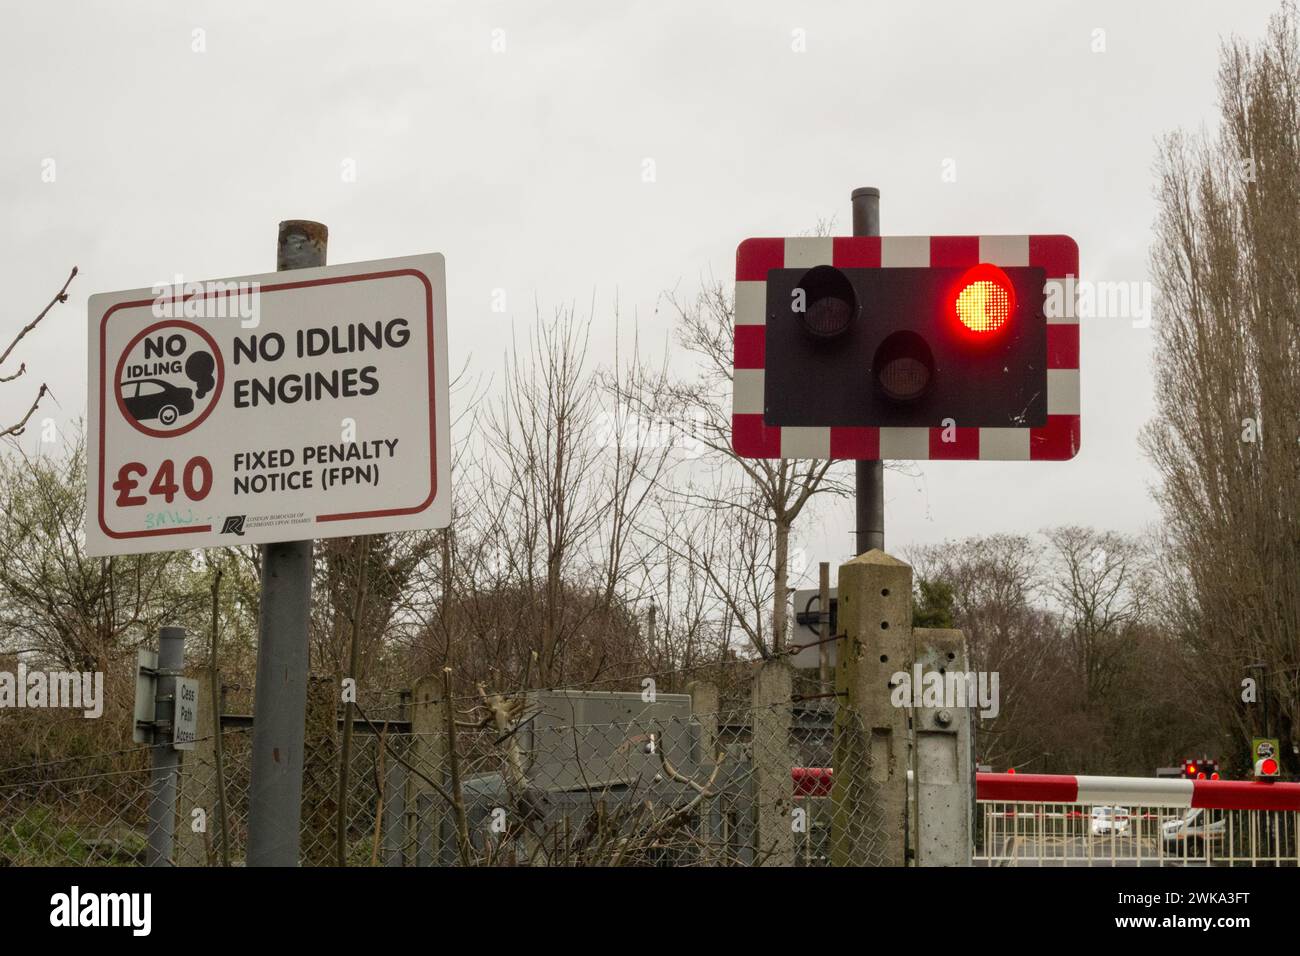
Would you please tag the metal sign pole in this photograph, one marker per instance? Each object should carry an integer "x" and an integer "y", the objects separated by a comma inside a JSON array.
[
  {"x": 280, "y": 704},
  {"x": 164, "y": 760},
  {"x": 870, "y": 483}
]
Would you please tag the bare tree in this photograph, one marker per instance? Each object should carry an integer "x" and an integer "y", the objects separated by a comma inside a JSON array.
[
  {"x": 1228, "y": 371},
  {"x": 996, "y": 583},
  {"x": 1101, "y": 585},
  {"x": 382, "y": 573},
  {"x": 1091, "y": 680},
  {"x": 549, "y": 556},
  {"x": 726, "y": 535},
  {"x": 773, "y": 490}
]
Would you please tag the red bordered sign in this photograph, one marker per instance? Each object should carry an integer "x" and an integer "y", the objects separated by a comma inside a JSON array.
[
  {"x": 274, "y": 407},
  {"x": 1054, "y": 438}
]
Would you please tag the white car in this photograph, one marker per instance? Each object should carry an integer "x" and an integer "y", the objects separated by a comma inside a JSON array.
[
  {"x": 1108, "y": 821},
  {"x": 1195, "y": 831}
]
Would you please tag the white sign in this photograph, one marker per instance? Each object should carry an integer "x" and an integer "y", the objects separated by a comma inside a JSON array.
[
  {"x": 806, "y": 632},
  {"x": 276, "y": 407},
  {"x": 185, "y": 722}
]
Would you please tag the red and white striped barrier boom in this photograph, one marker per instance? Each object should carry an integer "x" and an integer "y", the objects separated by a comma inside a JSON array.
[
  {"x": 1103, "y": 791},
  {"x": 1137, "y": 791}
]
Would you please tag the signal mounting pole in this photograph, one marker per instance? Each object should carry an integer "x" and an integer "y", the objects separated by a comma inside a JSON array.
[
  {"x": 870, "y": 481},
  {"x": 280, "y": 698}
]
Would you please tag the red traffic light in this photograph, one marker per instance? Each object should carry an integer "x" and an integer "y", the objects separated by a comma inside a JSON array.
[
  {"x": 1266, "y": 767},
  {"x": 985, "y": 299},
  {"x": 1203, "y": 769}
]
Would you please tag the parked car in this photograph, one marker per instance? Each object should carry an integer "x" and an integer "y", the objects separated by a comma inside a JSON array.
[
  {"x": 150, "y": 398},
  {"x": 1196, "y": 830},
  {"x": 1109, "y": 821}
]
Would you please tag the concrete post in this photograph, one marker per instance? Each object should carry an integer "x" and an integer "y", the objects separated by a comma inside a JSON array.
[
  {"x": 319, "y": 772},
  {"x": 396, "y": 790},
  {"x": 361, "y": 547},
  {"x": 164, "y": 762},
  {"x": 704, "y": 709},
  {"x": 943, "y": 789},
  {"x": 395, "y": 794},
  {"x": 435, "y": 842},
  {"x": 772, "y": 760},
  {"x": 279, "y": 708},
  {"x": 869, "y": 787},
  {"x": 198, "y": 789},
  {"x": 824, "y": 625}
]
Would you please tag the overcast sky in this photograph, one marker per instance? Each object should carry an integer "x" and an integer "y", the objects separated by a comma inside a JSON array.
[{"x": 524, "y": 166}]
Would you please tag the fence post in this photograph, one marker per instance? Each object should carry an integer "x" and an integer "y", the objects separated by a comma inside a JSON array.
[
  {"x": 773, "y": 761},
  {"x": 824, "y": 625},
  {"x": 429, "y": 755},
  {"x": 198, "y": 788},
  {"x": 704, "y": 708},
  {"x": 869, "y": 786},
  {"x": 396, "y": 790},
  {"x": 945, "y": 779},
  {"x": 319, "y": 772},
  {"x": 164, "y": 760}
]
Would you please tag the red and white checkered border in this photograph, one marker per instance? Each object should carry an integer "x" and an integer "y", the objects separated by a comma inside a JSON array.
[{"x": 1058, "y": 440}]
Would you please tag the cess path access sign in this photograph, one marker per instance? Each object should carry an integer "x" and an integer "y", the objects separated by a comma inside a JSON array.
[{"x": 277, "y": 407}]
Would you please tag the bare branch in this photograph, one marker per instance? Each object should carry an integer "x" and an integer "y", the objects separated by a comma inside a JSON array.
[{"x": 61, "y": 296}]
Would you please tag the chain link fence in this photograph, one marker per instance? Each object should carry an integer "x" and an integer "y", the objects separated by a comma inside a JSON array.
[
  {"x": 1046, "y": 834},
  {"x": 82, "y": 811},
  {"x": 546, "y": 779}
]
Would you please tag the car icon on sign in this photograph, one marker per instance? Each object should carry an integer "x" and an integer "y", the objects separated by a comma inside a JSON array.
[{"x": 147, "y": 398}]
